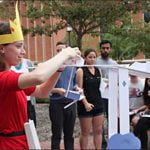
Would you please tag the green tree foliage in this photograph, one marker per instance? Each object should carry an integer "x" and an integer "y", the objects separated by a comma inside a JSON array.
[
  {"x": 130, "y": 38},
  {"x": 94, "y": 17},
  {"x": 85, "y": 16},
  {"x": 6, "y": 10}
]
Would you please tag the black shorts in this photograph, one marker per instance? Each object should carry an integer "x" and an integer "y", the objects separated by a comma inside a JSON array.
[{"x": 92, "y": 113}]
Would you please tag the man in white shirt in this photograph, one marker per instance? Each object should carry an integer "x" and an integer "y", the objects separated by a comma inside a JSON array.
[{"x": 104, "y": 59}]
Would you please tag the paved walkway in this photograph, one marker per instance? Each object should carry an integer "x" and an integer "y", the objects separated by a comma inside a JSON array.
[{"x": 46, "y": 145}]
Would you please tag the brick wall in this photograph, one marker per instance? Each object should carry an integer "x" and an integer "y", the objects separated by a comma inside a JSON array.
[{"x": 41, "y": 48}]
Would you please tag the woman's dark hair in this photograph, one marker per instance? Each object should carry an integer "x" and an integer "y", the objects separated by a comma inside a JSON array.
[
  {"x": 86, "y": 53},
  {"x": 4, "y": 29},
  {"x": 145, "y": 93}
]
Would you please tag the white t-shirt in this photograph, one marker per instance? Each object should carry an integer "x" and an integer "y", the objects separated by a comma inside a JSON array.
[
  {"x": 104, "y": 70},
  {"x": 136, "y": 94}
]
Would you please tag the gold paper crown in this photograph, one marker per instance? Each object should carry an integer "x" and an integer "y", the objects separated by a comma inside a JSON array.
[{"x": 16, "y": 31}]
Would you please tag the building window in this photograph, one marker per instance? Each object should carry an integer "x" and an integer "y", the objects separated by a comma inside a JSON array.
[{"x": 147, "y": 17}]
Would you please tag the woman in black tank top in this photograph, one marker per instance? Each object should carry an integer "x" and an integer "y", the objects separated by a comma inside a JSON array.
[{"x": 90, "y": 109}]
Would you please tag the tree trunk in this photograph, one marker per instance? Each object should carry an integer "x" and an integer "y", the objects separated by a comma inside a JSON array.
[{"x": 79, "y": 41}]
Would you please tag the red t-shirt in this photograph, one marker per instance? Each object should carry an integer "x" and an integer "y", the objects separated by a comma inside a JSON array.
[{"x": 13, "y": 110}]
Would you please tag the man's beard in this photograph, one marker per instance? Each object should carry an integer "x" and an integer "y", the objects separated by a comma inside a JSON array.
[{"x": 105, "y": 55}]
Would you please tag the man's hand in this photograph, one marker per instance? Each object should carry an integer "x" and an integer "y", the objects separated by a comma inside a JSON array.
[{"x": 61, "y": 91}]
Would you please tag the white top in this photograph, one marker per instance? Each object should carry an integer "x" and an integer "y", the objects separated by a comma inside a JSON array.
[
  {"x": 136, "y": 94},
  {"x": 104, "y": 70}
]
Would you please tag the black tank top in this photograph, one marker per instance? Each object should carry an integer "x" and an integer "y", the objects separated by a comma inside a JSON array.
[{"x": 91, "y": 84}]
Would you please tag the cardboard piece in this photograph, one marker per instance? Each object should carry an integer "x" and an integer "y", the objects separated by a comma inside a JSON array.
[
  {"x": 74, "y": 95},
  {"x": 16, "y": 31},
  {"x": 31, "y": 134}
]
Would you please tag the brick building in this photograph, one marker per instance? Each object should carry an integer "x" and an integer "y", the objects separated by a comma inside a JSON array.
[{"x": 40, "y": 48}]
